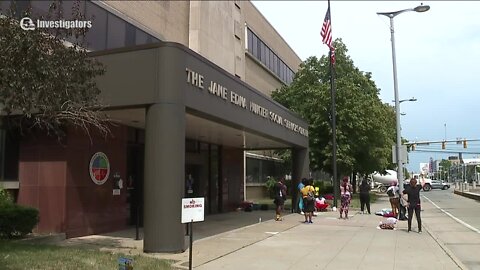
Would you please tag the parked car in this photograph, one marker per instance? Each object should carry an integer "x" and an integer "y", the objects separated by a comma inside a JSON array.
[{"x": 439, "y": 184}]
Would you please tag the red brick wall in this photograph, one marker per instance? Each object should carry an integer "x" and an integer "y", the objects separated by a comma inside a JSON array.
[
  {"x": 92, "y": 208},
  {"x": 42, "y": 170},
  {"x": 54, "y": 178}
]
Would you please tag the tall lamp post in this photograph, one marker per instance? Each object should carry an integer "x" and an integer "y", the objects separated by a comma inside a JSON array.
[{"x": 391, "y": 15}]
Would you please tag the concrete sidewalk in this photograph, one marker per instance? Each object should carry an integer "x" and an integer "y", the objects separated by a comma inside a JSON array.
[{"x": 328, "y": 243}]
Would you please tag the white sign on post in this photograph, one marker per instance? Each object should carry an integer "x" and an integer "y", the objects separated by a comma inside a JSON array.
[{"x": 193, "y": 209}]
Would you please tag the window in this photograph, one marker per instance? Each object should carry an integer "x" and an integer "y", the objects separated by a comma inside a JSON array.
[
  {"x": 259, "y": 49},
  {"x": 265, "y": 55},
  {"x": 250, "y": 40},
  {"x": 262, "y": 52},
  {"x": 282, "y": 70},
  {"x": 68, "y": 7},
  {"x": 140, "y": 37},
  {"x": 4, "y": 6},
  {"x": 275, "y": 64},
  {"x": 130, "y": 35},
  {"x": 270, "y": 64},
  {"x": 96, "y": 36},
  {"x": 21, "y": 6},
  {"x": 9, "y": 155},
  {"x": 40, "y": 8},
  {"x": 115, "y": 32},
  {"x": 192, "y": 146},
  {"x": 254, "y": 45}
]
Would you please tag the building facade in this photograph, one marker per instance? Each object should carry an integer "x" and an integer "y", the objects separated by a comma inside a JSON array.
[{"x": 188, "y": 84}]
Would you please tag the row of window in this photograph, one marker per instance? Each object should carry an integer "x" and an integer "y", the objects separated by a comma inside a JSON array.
[
  {"x": 265, "y": 55},
  {"x": 259, "y": 170},
  {"x": 107, "y": 32}
]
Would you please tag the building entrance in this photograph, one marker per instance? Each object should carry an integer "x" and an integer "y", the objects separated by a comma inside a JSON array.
[{"x": 134, "y": 182}]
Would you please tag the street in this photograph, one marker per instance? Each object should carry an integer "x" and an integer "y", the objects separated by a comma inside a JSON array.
[{"x": 454, "y": 221}]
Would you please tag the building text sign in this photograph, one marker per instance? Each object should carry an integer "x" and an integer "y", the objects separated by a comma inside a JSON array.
[
  {"x": 198, "y": 80},
  {"x": 193, "y": 209}
]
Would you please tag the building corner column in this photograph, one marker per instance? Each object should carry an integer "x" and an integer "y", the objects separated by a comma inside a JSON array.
[{"x": 164, "y": 181}]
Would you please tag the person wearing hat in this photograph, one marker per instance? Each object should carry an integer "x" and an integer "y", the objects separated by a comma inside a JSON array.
[{"x": 345, "y": 197}]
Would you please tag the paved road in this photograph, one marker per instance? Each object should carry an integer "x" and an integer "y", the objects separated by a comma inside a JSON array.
[{"x": 455, "y": 222}]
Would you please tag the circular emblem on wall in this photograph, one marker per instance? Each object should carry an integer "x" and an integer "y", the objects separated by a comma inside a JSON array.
[{"x": 99, "y": 168}]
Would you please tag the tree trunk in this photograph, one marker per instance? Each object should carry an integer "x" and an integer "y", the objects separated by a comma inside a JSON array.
[{"x": 354, "y": 182}]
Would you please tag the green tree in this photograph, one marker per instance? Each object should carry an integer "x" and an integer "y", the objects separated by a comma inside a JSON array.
[
  {"x": 365, "y": 125},
  {"x": 445, "y": 164},
  {"x": 46, "y": 83}
]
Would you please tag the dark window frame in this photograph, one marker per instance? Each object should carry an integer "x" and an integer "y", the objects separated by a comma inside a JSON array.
[{"x": 96, "y": 45}]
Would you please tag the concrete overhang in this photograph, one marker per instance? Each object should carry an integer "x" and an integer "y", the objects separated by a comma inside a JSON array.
[{"x": 219, "y": 107}]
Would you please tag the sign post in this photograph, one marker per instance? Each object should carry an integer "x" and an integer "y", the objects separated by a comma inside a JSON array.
[{"x": 193, "y": 210}]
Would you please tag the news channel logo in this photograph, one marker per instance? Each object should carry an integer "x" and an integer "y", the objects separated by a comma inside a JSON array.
[{"x": 28, "y": 24}]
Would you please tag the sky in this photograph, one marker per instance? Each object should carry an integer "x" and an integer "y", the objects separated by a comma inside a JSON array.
[{"x": 437, "y": 53}]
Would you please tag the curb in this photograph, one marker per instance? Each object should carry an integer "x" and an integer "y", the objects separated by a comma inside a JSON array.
[
  {"x": 53, "y": 238},
  {"x": 469, "y": 195},
  {"x": 444, "y": 248}
]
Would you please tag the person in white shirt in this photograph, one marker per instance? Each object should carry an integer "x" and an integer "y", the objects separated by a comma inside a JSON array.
[{"x": 394, "y": 194}]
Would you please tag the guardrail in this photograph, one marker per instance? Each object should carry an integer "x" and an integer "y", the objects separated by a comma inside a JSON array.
[{"x": 465, "y": 190}]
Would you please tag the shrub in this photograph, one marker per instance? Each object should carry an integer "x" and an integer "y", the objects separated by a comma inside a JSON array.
[
  {"x": 324, "y": 187},
  {"x": 270, "y": 184},
  {"x": 17, "y": 221},
  {"x": 5, "y": 198}
]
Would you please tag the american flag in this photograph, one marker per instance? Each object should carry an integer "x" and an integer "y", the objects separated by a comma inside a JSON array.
[
  {"x": 326, "y": 34},
  {"x": 327, "y": 30}
]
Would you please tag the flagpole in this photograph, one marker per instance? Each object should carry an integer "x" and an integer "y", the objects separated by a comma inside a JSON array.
[{"x": 336, "y": 185}]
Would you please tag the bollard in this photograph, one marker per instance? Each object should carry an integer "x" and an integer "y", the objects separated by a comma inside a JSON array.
[
  {"x": 474, "y": 185},
  {"x": 457, "y": 186}
]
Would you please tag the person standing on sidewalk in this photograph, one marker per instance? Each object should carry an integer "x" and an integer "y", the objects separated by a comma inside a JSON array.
[
  {"x": 345, "y": 197},
  {"x": 394, "y": 194},
  {"x": 280, "y": 191},
  {"x": 308, "y": 195},
  {"x": 365, "y": 196},
  {"x": 300, "y": 186},
  {"x": 413, "y": 203}
]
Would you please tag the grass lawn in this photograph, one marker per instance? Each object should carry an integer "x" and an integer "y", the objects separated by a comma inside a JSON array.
[
  {"x": 356, "y": 200},
  {"x": 18, "y": 255}
]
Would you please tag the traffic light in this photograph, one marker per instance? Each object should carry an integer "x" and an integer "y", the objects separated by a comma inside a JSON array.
[
  {"x": 443, "y": 145},
  {"x": 464, "y": 143}
]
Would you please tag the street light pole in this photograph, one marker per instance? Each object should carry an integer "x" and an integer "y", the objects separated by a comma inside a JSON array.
[
  {"x": 397, "y": 109},
  {"x": 391, "y": 15}
]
